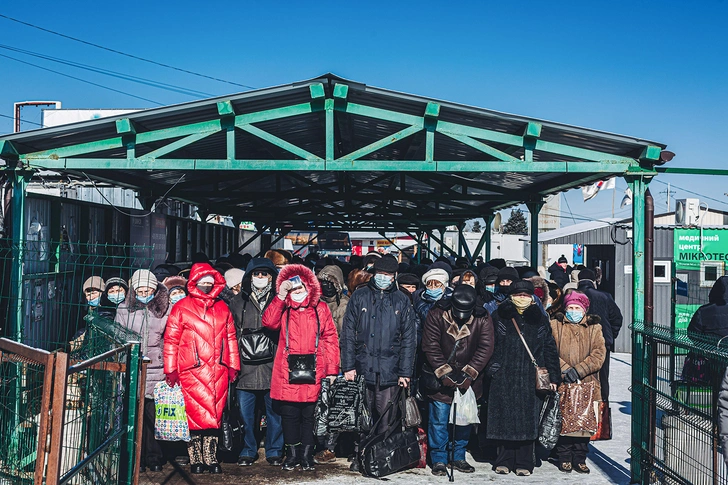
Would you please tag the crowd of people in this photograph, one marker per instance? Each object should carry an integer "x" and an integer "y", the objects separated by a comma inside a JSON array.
[{"x": 270, "y": 329}]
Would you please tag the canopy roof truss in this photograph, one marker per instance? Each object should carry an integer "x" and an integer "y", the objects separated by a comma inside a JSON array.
[{"x": 334, "y": 153}]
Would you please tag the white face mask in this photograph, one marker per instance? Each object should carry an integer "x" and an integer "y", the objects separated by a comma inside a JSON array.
[
  {"x": 299, "y": 297},
  {"x": 260, "y": 282}
]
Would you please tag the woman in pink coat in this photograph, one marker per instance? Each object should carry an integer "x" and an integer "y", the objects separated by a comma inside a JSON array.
[{"x": 306, "y": 327}]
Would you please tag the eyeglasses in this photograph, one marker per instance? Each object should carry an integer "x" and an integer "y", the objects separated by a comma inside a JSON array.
[{"x": 432, "y": 284}]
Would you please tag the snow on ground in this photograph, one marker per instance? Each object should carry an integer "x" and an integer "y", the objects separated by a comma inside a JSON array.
[{"x": 608, "y": 460}]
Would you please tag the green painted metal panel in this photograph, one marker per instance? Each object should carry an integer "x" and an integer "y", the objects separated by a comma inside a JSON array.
[
  {"x": 381, "y": 114},
  {"x": 317, "y": 90},
  {"x": 279, "y": 142},
  {"x": 74, "y": 150},
  {"x": 225, "y": 108},
  {"x": 534, "y": 208},
  {"x": 430, "y": 146},
  {"x": 341, "y": 91},
  {"x": 274, "y": 114},
  {"x": 317, "y": 164},
  {"x": 449, "y": 128},
  {"x": 533, "y": 129},
  {"x": 347, "y": 164},
  {"x": 124, "y": 126},
  {"x": 582, "y": 153},
  {"x": 692, "y": 171},
  {"x": 178, "y": 131},
  {"x": 176, "y": 145},
  {"x": 384, "y": 142},
  {"x": 651, "y": 153},
  {"x": 330, "y": 140},
  {"x": 432, "y": 110},
  {"x": 480, "y": 146}
]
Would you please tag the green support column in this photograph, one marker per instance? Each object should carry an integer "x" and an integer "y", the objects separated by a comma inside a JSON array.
[
  {"x": 534, "y": 208},
  {"x": 19, "y": 183},
  {"x": 133, "y": 367},
  {"x": 640, "y": 404},
  {"x": 489, "y": 235}
]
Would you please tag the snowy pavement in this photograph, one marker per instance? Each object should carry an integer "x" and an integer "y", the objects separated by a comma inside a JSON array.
[{"x": 608, "y": 460}]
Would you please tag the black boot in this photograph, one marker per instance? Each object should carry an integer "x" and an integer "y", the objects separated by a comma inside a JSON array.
[
  {"x": 293, "y": 457},
  {"x": 307, "y": 462}
]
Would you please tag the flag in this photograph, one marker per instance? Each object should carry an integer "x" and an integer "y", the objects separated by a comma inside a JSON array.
[
  {"x": 627, "y": 199},
  {"x": 592, "y": 190}
]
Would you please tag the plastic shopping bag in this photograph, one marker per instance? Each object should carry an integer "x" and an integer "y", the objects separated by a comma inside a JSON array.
[
  {"x": 467, "y": 408},
  {"x": 170, "y": 423},
  {"x": 577, "y": 409}
]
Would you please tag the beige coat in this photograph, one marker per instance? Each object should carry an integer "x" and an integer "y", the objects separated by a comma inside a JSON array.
[{"x": 581, "y": 346}]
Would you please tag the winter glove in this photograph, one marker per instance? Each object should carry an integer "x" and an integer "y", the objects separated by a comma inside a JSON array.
[
  {"x": 571, "y": 375},
  {"x": 448, "y": 381},
  {"x": 284, "y": 289},
  {"x": 172, "y": 379},
  {"x": 465, "y": 384},
  {"x": 232, "y": 375}
]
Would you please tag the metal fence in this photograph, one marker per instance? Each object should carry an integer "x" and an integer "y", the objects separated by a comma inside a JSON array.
[
  {"x": 676, "y": 380},
  {"x": 71, "y": 380}
]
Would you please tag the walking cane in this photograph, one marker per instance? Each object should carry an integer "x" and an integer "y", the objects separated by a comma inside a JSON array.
[{"x": 451, "y": 453}]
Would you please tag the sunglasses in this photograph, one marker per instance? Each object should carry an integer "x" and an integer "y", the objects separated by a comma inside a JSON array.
[{"x": 260, "y": 274}]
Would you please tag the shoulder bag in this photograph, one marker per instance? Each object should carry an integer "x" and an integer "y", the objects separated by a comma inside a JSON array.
[
  {"x": 543, "y": 381},
  {"x": 302, "y": 367},
  {"x": 256, "y": 346}
]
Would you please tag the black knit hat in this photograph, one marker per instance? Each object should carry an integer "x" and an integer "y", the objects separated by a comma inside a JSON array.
[
  {"x": 522, "y": 286},
  {"x": 508, "y": 273},
  {"x": 587, "y": 274},
  {"x": 387, "y": 264},
  {"x": 562, "y": 259}
]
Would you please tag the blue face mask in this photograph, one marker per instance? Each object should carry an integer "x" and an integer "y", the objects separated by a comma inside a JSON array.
[
  {"x": 95, "y": 301},
  {"x": 434, "y": 293},
  {"x": 383, "y": 281},
  {"x": 116, "y": 298},
  {"x": 176, "y": 298},
  {"x": 574, "y": 316},
  {"x": 490, "y": 288},
  {"x": 145, "y": 299}
]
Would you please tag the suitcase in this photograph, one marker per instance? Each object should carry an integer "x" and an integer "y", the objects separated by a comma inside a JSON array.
[{"x": 688, "y": 450}]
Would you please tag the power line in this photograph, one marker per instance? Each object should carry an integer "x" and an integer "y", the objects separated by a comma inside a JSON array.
[
  {"x": 21, "y": 119},
  {"x": 108, "y": 72},
  {"x": 82, "y": 80},
  {"x": 132, "y": 56},
  {"x": 694, "y": 193}
]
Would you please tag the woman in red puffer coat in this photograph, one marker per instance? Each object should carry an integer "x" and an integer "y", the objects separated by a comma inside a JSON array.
[
  {"x": 297, "y": 313},
  {"x": 201, "y": 353}
]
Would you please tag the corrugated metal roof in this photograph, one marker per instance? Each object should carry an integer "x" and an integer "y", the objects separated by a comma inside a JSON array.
[
  {"x": 582, "y": 227},
  {"x": 305, "y": 198}
]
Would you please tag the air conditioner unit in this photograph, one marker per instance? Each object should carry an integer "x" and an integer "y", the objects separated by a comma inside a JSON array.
[{"x": 687, "y": 212}]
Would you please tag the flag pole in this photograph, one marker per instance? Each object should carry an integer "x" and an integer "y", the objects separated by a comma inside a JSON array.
[{"x": 614, "y": 191}]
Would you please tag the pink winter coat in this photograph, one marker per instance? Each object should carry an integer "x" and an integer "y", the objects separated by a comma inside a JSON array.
[
  {"x": 302, "y": 336},
  {"x": 200, "y": 344}
]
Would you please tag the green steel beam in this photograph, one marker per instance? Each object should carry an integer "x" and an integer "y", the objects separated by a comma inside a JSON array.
[
  {"x": 448, "y": 128},
  {"x": 279, "y": 142},
  {"x": 463, "y": 244},
  {"x": 480, "y": 146},
  {"x": 534, "y": 208},
  {"x": 8, "y": 150},
  {"x": 176, "y": 145},
  {"x": 384, "y": 142},
  {"x": 125, "y": 126},
  {"x": 692, "y": 171},
  {"x": 484, "y": 239}
]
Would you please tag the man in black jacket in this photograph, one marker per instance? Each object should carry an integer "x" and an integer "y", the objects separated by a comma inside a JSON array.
[
  {"x": 378, "y": 338},
  {"x": 602, "y": 304}
]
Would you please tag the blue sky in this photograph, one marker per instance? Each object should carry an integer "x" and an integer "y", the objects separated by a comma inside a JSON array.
[{"x": 655, "y": 70}]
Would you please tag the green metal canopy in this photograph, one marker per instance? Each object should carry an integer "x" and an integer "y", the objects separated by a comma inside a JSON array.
[{"x": 333, "y": 153}]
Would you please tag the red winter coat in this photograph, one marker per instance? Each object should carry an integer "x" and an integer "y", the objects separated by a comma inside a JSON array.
[
  {"x": 302, "y": 336},
  {"x": 200, "y": 344}
]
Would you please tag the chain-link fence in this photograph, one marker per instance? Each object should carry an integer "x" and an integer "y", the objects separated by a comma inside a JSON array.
[{"x": 675, "y": 430}]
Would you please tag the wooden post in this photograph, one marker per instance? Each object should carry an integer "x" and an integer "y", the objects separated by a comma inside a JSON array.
[{"x": 57, "y": 418}]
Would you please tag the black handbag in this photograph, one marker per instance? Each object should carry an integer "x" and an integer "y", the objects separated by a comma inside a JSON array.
[
  {"x": 256, "y": 347},
  {"x": 389, "y": 452},
  {"x": 231, "y": 427},
  {"x": 347, "y": 400},
  {"x": 410, "y": 411},
  {"x": 302, "y": 367},
  {"x": 428, "y": 380}
]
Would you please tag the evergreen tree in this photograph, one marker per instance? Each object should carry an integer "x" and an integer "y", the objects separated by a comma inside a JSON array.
[{"x": 516, "y": 223}]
